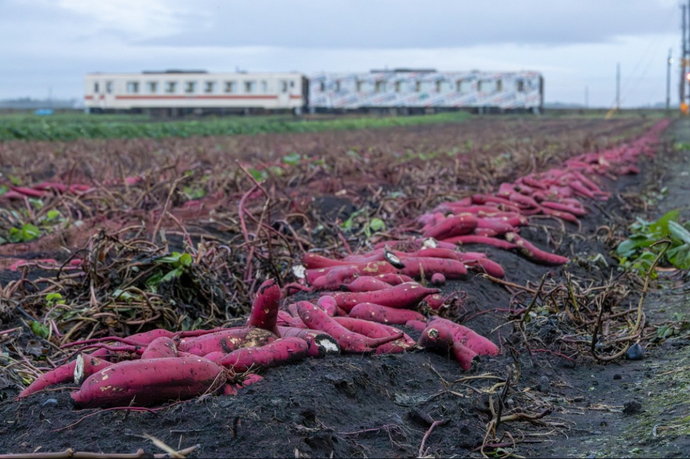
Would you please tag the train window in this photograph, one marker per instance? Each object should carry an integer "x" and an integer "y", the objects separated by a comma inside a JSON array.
[
  {"x": 322, "y": 86},
  {"x": 499, "y": 85},
  {"x": 190, "y": 87},
  {"x": 230, "y": 86},
  {"x": 359, "y": 86},
  {"x": 418, "y": 86},
  {"x": 132, "y": 87},
  {"x": 283, "y": 86},
  {"x": 439, "y": 85},
  {"x": 95, "y": 87},
  {"x": 380, "y": 86},
  {"x": 209, "y": 86},
  {"x": 170, "y": 86},
  {"x": 249, "y": 87},
  {"x": 484, "y": 86},
  {"x": 292, "y": 84},
  {"x": 152, "y": 87},
  {"x": 458, "y": 86},
  {"x": 398, "y": 86},
  {"x": 337, "y": 86},
  {"x": 109, "y": 87},
  {"x": 264, "y": 87},
  {"x": 520, "y": 86}
]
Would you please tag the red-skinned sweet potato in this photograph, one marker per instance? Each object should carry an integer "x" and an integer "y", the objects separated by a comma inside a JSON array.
[
  {"x": 280, "y": 351},
  {"x": 383, "y": 314},
  {"x": 535, "y": 254},
  {"x": 404, "y": 295},
  {"x": 265, "y": 307},
  {"x": 149, "y": 381},
  {"x": 320, "y": 343},
  {"x": 365, "y": 284},
  {"x": 160, "y": 347},
  {"x": 226, "y": 340}
]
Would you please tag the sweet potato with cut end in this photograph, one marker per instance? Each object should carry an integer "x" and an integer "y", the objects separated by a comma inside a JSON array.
[
  {"x": 160, "y": 347},
  {"x": 349, "y": 341},
  {"x": 280, "y": 351},
  {"x": 535, "y": 254},
  {"x": 383, "y": 314},
  {"x": 265, "y": 307},
  {"x": 149, "y": 381},
  {"x": 226, "y": 340},
  {"x": 85, "y": 365},
  {"x": 404, "y": 295},
  {"x": 320, "y": 343}
]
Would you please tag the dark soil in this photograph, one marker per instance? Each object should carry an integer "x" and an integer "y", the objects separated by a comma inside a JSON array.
[{"x": 382, "y": 406}]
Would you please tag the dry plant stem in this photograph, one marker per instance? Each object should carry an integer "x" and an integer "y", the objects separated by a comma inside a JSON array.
[
  {"x": 529, "y": 307},
  {"x": 508, "y": 284},
  {"x": 426, "y": 436},
  {"x": 636, "y": 331},
  {"x": 166, "y": 206},
  {"x": 69, "y": 452}
]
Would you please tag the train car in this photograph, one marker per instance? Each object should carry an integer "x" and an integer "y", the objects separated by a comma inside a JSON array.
[
  {"x": 179, "y": 92},
  {"x": 426, "y": 89}
]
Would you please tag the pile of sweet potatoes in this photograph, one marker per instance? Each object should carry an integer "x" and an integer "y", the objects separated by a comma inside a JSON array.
[{"x": 362, "y": 297}]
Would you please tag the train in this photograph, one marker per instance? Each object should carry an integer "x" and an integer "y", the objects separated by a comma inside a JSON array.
[{"x": 403, "y": 91}]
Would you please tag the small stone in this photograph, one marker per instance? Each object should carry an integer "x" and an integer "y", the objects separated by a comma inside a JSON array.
[
  {"x": 636, "y": 352},
  {"x": 544, "y": 384},
  {"x": 632, "y": 407},
  {"x": 617, "y": 376},
  {"x": 51, "y": 402}
]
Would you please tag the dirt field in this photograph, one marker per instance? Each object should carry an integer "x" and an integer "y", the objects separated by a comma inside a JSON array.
[{"x": 558, "y": 400}]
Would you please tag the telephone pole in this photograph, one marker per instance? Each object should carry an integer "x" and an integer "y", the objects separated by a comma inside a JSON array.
[
  {"x": 668, "y": 80},
  {"x": 682, "y": 61},
  {"x": 618, "y": 86}
]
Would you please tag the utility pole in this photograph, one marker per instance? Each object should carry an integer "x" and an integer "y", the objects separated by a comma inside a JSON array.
[
  {"x": 618, "y": 86},
  {"x": 668, "y": 80},
  {"x": 682, "y": 61}
]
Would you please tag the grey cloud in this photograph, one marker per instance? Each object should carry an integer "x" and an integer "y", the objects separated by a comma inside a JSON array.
[{"x": 416, "y": 24}]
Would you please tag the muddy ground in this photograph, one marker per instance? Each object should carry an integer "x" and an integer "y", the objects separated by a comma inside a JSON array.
[{"x": 382, "y": 406}]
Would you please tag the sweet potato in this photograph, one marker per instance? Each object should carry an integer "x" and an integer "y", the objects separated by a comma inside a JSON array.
[
  {"x": 442, "y": 339},
  {"x": 438, "y": 279},
  {"x": 265, "y": 307},
  {"x": 452, "y": 269},
  {"x": 466, "y": 240},
  {"x": 452, "y": 226},
  {"x": 149, "y": 381},
  {"x": 465, "y": 336},
  {"x": 226, "y": 340},
  {"x": 85, "y": 365},
  {"x": 383, "y": 314},
  {"x": 160, "y": 347},
  {"x": 280, "y": 351},
  {"x": 535, "y": 254},
  {"x": 328, "y": 304},
  {"x": 331, "y": 278},
  {"x": 393, "y": 279},
  {"x": 317, "y": 319},
  {"x": 286, "y": 320},
  {"x": 434, "y": 302},
  {"x": 404, "y": 295},
  {"x": 320, "y": 343},
  {"x": 416, "y": 325},
  {"x": 487, "y": 266},
  {"x": 365, "y": 284},
  {"x": 377, "y": 330}
]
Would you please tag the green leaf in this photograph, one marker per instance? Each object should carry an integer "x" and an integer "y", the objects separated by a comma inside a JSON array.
[
  {"x": 30, "y": 232},
  {"x": 679, "y": 256},
  {"x": 377, "y": 224},
  {"x": 679, "y": 232},
  {"x": 53, "y": 214},
  {"x": 293, "y": 159},
  {"x": 39, "y": 329},
  {"x": 258, "y": 175},
  {"x": 185, "y": 260},
  {"x": 3, "y": 189}
]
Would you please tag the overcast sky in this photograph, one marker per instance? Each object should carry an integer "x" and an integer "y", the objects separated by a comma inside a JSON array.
[{"x": 48, "y": 44}]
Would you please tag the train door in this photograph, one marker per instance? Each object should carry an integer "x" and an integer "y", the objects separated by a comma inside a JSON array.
[{"x": 284, "y": 93}]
